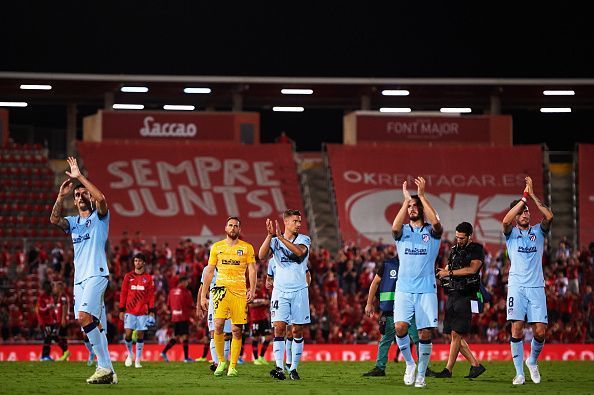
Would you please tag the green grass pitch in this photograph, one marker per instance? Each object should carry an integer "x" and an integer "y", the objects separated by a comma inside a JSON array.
[{"x": 317, "y": 378}]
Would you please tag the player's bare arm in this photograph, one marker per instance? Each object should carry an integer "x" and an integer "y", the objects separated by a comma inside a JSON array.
[
  {"x": 56, "y": 215},
  {"x": 199, "y": 311},
  {"x": 546, "y": 212},
  {"x": 269, "y": 281},
  {"x": 372, "y": 291},
  {"x": 298, "y": 249},
  {"x": 96, "y": 194},
  {"x": 430, "y": 212},
  {"x": 264, "y": 251},
  {"x": 208, "y": 275},
  {"x": 401, "y": 216},
  {"x": 252, "y": 276}
]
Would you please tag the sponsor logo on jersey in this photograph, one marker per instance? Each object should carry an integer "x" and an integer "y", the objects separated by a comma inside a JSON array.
[
  {"x": 527, "y": 250},
  {"x": 137, "y": 287},
  {"x": 415, "y": 251},
  {"x": 79, "y": 239}
]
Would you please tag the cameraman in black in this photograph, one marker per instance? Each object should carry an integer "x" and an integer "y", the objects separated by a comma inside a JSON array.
[{"x": 461, "y": 280}]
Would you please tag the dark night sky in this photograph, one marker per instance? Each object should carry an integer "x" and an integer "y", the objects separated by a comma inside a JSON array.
[{"x": 306, "y": 39}]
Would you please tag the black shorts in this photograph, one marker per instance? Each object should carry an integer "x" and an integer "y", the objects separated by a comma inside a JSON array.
[
  {"x": 260, "y": 328},
  {"x": 63, "y": 331},
  {"x": 50, "y": 330},
  {"x": 458, "y": 314},
  {"x": 181, "y": 328}
]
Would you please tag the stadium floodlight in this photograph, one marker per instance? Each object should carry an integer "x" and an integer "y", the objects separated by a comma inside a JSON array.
[
  {"x": 297, "y": 91},
  {"x": 122, "y": 106},
  {"x": 395, "y": 109},
  {"x": 558, "y": 92},
  {"x": 36, "y": 87},
  {"x": 13, "y": 104},
  {"x": 134, "y": 89},
  {"x": 555, "y": 109},
  {"x": 288, "y": 109},
  {"x": 395, "y": 92},
  {"x": 197, "y": 90},
  {"x": 178, "y": 107},
  {"x": 456, "y": 110}
]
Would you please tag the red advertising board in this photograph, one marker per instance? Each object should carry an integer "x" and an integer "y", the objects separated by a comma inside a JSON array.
[
  {"x": 373, "y": 127},
  {"x": 3, "y": 126},
  {"x": 586, "y": 193},
  {"x": 167, "y": 125},
  {"x": 172, "y": 190},
  {"x": 463, "y": 184},
  {"x": 311, "y": 352}
]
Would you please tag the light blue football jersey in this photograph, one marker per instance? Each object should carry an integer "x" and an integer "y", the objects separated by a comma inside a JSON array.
[
  {"x": 271, "y": 267},
  {"x": 214, "y": 278},
  {"x": 525, "y": 248},
  {"x": 417, "y": 251},
  {"x": 89, "y": 236},
  {"x": 289, "y": 270}
]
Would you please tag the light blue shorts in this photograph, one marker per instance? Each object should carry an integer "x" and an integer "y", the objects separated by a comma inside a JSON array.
[
  {"x": 135, "y": 322},
  {"x": 88, "y": 297},
  {"x": 290, "y": 307},
  {"x": 210, "y": 319},
  {"x": 420, "y": 307},
  {"x": 527, "y": 304}
]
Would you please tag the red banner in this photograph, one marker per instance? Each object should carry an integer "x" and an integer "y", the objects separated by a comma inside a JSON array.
[
  {"x": 311, "y": 352},
  {"x": 198, "y": 126},
  {"x": 586, "y": 193},
  {"x": 463, "y": 184},
  {"x": 3, "y": 126},
  {"x": 173, "y": 190},
  {"x": 474, "y": 129}
]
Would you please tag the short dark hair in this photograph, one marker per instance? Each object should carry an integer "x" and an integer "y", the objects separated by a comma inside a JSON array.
[
  {"x": 232, "y": 217},
  {"x": 289, "y": 213},
  {"x": 140, "y": 256},
  {"x": 464, "y": 227},
  {"x": 513, "y": 204},
  {"x": 182, "y": 279},
  {"x": 78, "y": 186}
]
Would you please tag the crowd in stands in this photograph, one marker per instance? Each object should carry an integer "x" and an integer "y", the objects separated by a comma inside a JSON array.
[{"x": 338, "y": 289}]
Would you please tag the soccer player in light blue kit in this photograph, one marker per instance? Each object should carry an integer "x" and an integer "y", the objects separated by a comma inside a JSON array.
[
  {"x": 290, "y": 297},
  {"x": 210, "y": 321},
  {"x": 89, "y": 230},
  {"x": 525, "y": 289},
  {"x": 416, "y": 292}
]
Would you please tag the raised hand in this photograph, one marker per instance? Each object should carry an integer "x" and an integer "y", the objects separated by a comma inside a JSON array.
[
  {"x": 420, "y": 181},
  {"x": 529, "y": 188},
  {"x": 269, "y": 227},
  {"x": 278, "y": 231},
  {"x": 405, "y": 191},
  {"x": 65, "y": 188},
  {"x": 74, "y": 170}
]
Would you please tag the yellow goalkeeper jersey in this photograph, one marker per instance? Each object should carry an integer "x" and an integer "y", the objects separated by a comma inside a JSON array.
[{"x": 231, "y": 263}]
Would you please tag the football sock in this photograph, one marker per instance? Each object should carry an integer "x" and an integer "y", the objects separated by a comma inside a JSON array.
[
  {"x": 95, "y": 339},
  {"x": 535, "y": 349},
  {"x": 139, "y": 347},
  {"x": 186, "y": 349},
  {"x": 129, "y": 346},
  {"x": 169, "y": 345},
  {"x": 219, "y": 341},
  {"x": 517, "y": 350},
  {"x": 227, "y": 349},
  {"x": 288, "y": 346},
  {"x": 205, "y": 350},
  {"x": 404, "y": 346},
  {"x": 213, "y": 352},
  {"x": 235, "y": 349},
  {"x": 89, "y": 346},
  {"x": 104, "y": 346},
  {"x": 255, "y": 349},
  {"x": 278, "y": 348},
  {"x": 297, "y": 350},
  {"x": 264, "y": 348},
  {"x": 425, "y": 348}
]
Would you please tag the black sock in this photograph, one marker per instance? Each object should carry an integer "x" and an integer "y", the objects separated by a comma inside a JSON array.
[
  {"x": 186, "y": 349},
  {"x": 264, "y": 347},
  {"x": 255, "y": 348},
  {"x": 45, "y": 351},
  {"x": 63, "y": 343},
  {"x": 169, "y": 345},
  {"x": 205, "y": 350}
]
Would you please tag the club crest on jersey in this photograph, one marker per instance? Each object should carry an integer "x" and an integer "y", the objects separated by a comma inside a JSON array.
[
  {"x": 426, "y": 238},
  {"x": 88, "y": 223},
  {"x": 532, "y": 237},
  {"x": 239, "y": 252}
]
